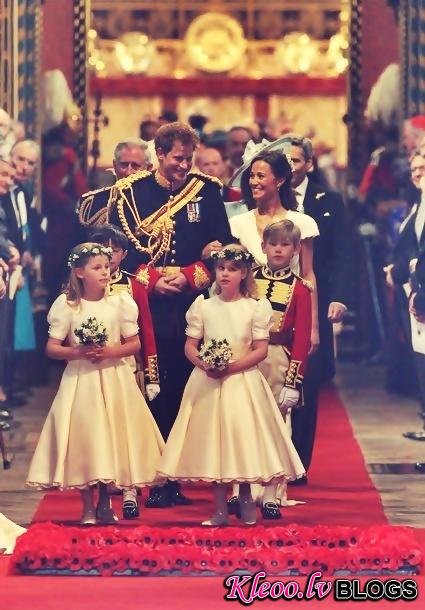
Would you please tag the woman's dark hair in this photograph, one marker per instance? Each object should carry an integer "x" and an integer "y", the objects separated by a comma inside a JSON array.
[{"x": 280, "y": 167}]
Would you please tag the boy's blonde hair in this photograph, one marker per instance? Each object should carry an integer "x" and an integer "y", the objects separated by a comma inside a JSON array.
[
  {"x": 282, "y": 228},
  {"x": 78, "y": 259},
  {"x": 242, "y": 260}
]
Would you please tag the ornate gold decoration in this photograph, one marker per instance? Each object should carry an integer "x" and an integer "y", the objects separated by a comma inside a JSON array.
[
  {"x": 85, "y": 215},
  {"x": 159, "y": 226},
  {"x": 293, "y": 375},
  {"x": 162, "y": 180},
  {"x": 152, "y": 369},
  {"x": 207, "y": 177},
  {"x": 200, "y": 278},
  {"x": 132, "y": 53},
  {"x": 142, "y": 276},
  {"x": 215, "y": 42},
  {"x": 298, "y": 53}
]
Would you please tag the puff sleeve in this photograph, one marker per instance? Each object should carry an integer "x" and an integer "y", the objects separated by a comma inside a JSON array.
[
  {"x": 308, "y": 226},
  {"x": 128, "y": 316},
  {"x": 195, "y": 323},
  {"x": 262, "y": 320},
  {"x": 59, "y": 318}
]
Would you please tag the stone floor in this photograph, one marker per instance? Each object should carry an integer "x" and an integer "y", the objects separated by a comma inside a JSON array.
[{"x": 378, "y": 420}]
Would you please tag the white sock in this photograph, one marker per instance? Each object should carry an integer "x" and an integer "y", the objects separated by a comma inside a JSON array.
[
  {"x": 270, "y": 493},
  {"x": 129, "y": 495}
]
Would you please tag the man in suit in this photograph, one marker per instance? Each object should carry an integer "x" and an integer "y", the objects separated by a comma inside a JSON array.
[
  {"x": 410, "y": 246},
  {"x": 169, "y": 217},
  {"x": 329, "y": 264}
]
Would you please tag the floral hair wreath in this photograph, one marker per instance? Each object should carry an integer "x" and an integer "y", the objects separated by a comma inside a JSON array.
[
  {"x": 74, "y": 257},
  {"x": 233, "y": 255}
]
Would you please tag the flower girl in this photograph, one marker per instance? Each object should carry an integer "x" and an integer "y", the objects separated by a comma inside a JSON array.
[
  {"x": 99, "y": 429},
  {"x": 229, "y": 428}
]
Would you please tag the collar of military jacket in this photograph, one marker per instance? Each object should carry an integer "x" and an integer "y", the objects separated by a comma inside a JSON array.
[
  {"x": 277, "y": 274},
  {"x": 162, "y": 180}
]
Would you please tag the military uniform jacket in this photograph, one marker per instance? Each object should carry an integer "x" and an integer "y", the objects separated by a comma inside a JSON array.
[
  {"x": 122, "y": 281},
  {"x": 166, "y": 228},
  {"x": 290, "y": 298}
]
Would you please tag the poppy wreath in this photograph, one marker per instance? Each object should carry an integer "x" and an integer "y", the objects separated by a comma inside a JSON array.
[{"x": 292, "y": 549}]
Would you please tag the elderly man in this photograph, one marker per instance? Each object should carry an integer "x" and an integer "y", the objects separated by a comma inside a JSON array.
[
  {"x": 169, "y": 216},
  {"x": 330, "y": 267},
  {"x": 25, "y": 156},
  {"x": 131, "y": 156}
]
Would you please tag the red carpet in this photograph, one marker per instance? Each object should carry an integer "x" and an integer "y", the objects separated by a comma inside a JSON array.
[{"x": 340, "y": 492}]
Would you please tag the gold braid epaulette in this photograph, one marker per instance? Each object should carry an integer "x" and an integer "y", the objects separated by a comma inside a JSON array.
[
  {"x": 84, "y": 211},
  {"x": 95, "y": 191},
  {"x": 206, "y": 176},
  {"x": 127, "y": 182},
  {"x": 304, "y": 282}
]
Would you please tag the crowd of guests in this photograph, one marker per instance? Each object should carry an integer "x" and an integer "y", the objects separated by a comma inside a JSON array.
[{"x": 21, "y": 245}]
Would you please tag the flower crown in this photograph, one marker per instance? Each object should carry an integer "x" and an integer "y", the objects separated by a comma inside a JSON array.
[
  {"x": 94, "y": 250},
  {"x": 232, "y": 255}
]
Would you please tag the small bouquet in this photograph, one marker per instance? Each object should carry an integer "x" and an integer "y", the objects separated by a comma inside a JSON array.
[
  {"x": 216, "y": 353},
  {"x": 92, "y": 332}
]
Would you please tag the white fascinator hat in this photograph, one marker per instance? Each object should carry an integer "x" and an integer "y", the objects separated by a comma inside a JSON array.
[{"x": 252, "y": 150}]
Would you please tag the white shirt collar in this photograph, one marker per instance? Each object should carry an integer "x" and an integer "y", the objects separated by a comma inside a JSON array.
[{"x": 301, "y": 190}]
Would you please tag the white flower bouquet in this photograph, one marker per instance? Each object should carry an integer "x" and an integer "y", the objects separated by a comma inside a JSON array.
[
  {"x": 216, "y": 353},
  {"x": 91, "y": 332}
]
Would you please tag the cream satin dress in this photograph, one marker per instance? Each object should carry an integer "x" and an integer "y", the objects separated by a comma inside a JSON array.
[
  {"x": 229, "y": 429},
  {"x": 99, "y": 427}
]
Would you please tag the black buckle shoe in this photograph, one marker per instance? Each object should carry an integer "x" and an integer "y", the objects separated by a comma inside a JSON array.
[
  {"x": 271, "y": 511},
  {"x": 233, "y": 507},
  {"x": 4, "y": 426},
  {"x": 5, "y": 414},
  {"x": 158, "y": 498},
  {"x": 176, "y": 498},
  {"x": 130, "y": 509}
]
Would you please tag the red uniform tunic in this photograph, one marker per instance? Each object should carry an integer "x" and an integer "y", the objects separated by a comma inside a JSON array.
[
  {"x": 124, "y": 281},
  {"x": 290, "y": 298}
]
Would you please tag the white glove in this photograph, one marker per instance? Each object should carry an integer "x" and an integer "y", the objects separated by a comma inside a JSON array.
[
  {"x": 288, "y": 398},
  {"x": 152, "y": 391}
]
